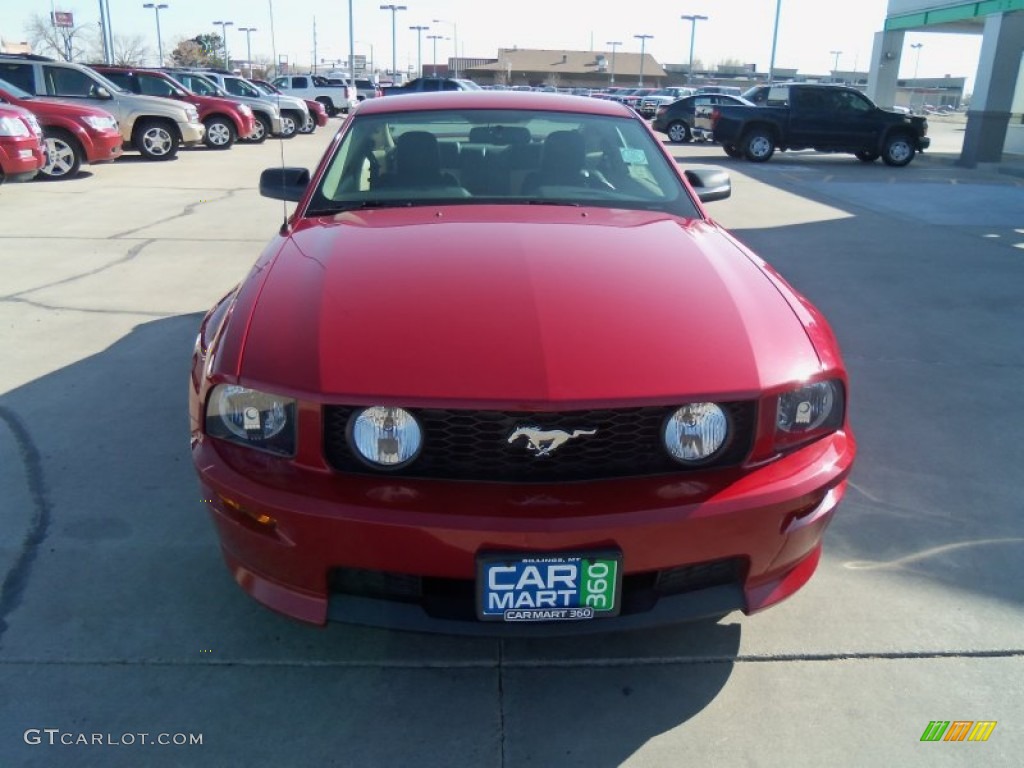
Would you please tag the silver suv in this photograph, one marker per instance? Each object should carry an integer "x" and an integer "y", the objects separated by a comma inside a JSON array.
[
  {"x": 294, "y": 112},
  {"x": 155, "y": 127}
]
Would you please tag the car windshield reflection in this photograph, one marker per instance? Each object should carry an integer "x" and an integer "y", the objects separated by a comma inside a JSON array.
[{"x": 499, "y": 157}]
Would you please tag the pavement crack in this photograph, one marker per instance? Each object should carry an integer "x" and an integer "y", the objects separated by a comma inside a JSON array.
[
  {"x": 188, "y": 210},
  {"x": 17, "y": 577},
  {"x": 134, "y": 251},
  {"x": 90, "y": 310}
]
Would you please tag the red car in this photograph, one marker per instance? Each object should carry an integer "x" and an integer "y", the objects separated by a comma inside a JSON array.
[
  {"x": 74, "y": 133},
  {"x": 226, "y": 121},
  {"x": 22, "y": 152},
  {"x": 500, "y": 373}
]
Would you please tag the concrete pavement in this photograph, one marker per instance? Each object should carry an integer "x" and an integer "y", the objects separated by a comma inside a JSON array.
[{"x": 117, "y": 615}]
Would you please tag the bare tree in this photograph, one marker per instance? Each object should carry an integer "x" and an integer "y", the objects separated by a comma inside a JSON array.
[
  {"x": 69, "y": 43},
  {"x": 130, "y": 51}
]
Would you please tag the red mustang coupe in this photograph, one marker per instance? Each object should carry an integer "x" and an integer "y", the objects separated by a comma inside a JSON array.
[{"x": 500, "y": 373}]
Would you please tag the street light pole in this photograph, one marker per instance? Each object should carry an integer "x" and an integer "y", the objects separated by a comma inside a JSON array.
[
  {"x": 435, "y": 38},
  {"x": 643, "y": 39},
  {"x": 157, "y": 7},
  {"x": 224, "y": 33},
  {"x": 835, "y": 65},
  {"x": 394, "y": 38},
  {"x": 248, "y": 46},
  {"x": 455, "y": 34},
  {"x": 614, "y": 44},
  {"x": 693, "y": 33},
  {"x": 917, "y": 65},
  {"x": 419, "y": 29},
  {"x": 775, "y": 40}
]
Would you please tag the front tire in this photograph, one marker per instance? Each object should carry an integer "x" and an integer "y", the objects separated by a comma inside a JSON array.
[
  {"x": 290, "y": 122},
  {"x": 220, "y": 133},
  {"x": 898, "y": 151},
  {"x": 678, "y": 132},
  {"x": 63, "y": 156},
  {"x": 759, "y": 145},
  {"x": 262, "y": 129},
  {"x": 309, "y": 125},
  {"x": 156, "y": 140}
]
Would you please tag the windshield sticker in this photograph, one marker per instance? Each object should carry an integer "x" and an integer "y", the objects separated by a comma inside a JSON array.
[{"x": 633, "y": 156}]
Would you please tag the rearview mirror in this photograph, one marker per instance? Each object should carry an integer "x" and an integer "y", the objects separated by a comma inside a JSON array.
[
  {"x": 710, "y": 184},
  {"x": 284, "y": 183}
]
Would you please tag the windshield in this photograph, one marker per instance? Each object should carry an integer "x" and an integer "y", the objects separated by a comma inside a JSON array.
[
  {"x": 14, "y": 90},
  {"x": 499, "y": 156},
  {"x": 108, "y": 84}
]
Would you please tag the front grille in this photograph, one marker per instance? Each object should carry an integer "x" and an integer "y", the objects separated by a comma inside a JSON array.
[
  {"x": 474, "y": 445},
  {"x": 454, "y": 599}
]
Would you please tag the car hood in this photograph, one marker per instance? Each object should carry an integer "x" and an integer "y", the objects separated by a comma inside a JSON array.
[
  {"x": 520, "y": 306},
  {"x": 44, "y": 107}
]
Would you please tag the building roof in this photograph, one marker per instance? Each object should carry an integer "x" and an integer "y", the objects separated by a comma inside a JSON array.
[{"x": 520, "y": 60}]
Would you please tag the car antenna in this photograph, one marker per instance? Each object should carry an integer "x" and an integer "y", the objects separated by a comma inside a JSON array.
[{"x": 280, "y": 138}]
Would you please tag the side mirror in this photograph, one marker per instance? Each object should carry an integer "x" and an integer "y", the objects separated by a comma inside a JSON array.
[
  {"x": 710, "y": 184},
  {"x": 103, "y": 93},
  {"x": 284, "y": 183}
]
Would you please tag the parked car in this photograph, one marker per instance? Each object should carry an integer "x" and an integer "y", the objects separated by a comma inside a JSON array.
[
  {"x": 367, "y": 89},
  {"x": 827, "y": 118},
  {"x": 318, "y": 116},
  {"x": 225, "y": 120},
  {"x": 73, "y": 134},
  {"x": 22, "y": 152},
  {"x": 649, "y": 104},
  {"x": 676, "y": 120},
  {"x": 335, "y": 98},
  {"x": 499, "y": 372},
  {"x": 430, "y": 85},
  {"x": 154, "y": 127},
  {"x": 264, "y": 111},
  {"x": 294, "y": 112}
]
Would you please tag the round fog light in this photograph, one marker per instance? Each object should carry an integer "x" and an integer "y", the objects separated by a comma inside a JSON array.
[
  {"x": 696, "y": 432},
  {"x": 386, "y": 437}
]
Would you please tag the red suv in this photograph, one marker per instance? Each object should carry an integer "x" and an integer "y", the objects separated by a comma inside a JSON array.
[
  {"x": 225, "y": 120},
  {"x": 22, "y": 152},
  {"x": 74, "y": 134}
]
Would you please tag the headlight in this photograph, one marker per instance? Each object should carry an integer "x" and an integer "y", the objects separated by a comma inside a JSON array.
[
  {"x": 98, "y": 123},
  {"x": 193, "y": 114},
  {"x": 245, "y": 109},
  {"x": 385, "y": 437},
  {"x": 12, "y": 126},
  {"x": 249, "y": 417},
  {"x": 809, "y": 412},
  {"x": 696, "y": 432}
]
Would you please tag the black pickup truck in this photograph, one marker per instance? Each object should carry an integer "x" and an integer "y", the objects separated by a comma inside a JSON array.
[{"x": 828, "y": 118}]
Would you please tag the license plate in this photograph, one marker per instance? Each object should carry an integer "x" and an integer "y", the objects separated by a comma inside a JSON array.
[{"x": 550, "y": 587}]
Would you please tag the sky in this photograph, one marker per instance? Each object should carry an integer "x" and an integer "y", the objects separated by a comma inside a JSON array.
[{"x": 809, "y": 30}]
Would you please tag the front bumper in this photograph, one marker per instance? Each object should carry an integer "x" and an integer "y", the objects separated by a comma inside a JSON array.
[
  {"x": 285, "y": 530},
  {"x": 104, "y": 147},
  {"x": 21, "y": 159},
  {"x": 191, "y": 133}
]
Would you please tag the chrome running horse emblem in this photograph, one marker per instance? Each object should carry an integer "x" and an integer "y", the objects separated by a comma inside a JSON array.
[{"x": 542, "y": 442}]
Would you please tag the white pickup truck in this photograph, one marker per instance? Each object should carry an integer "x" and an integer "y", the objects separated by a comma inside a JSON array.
[{"x": 335, "y": 98}]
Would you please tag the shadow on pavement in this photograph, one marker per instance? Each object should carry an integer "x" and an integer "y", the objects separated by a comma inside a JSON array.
[{"x": 124, "y": 619}]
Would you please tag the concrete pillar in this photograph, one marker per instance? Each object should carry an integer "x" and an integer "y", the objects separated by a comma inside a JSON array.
[
  {"x": 885, "y": 68},
  {"x": 994, "y": 88}
]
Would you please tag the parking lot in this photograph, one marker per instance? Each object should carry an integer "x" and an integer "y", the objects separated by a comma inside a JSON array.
[{"x": 117, "y": 616}]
